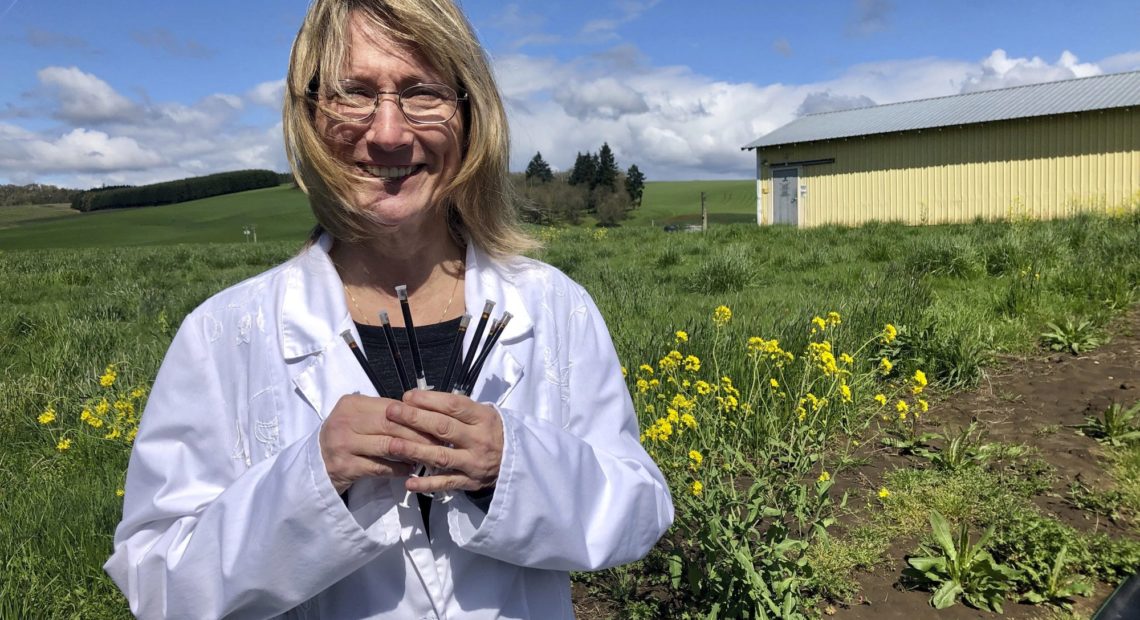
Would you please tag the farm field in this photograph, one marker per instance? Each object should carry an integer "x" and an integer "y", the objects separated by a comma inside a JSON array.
[
  {"x": 15, "y": 215},
  {"x": 282, "y": 213},
  {"x": 808, "y": 394}
]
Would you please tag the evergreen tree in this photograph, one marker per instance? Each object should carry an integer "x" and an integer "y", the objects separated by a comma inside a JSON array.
[
  {"x": 606, "y": 170},
  {"x": 583, "y": 171},
  {"x": 634, "y": 185},
  {"x": 538, "y": 170}
]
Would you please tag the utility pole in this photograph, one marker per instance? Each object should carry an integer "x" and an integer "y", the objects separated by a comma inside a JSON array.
[{"x": 704, "y": 214}]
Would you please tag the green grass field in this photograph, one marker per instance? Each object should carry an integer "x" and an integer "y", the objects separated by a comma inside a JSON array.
[
  {"x": 20, "y": 214},
  {"x": 958, "y": 294},
  {"x": 283, "y": 213},
  {"x": 278, "y": 213}
]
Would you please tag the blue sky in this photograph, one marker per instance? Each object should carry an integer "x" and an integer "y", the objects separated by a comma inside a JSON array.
[{"x": 125, "y": 91}]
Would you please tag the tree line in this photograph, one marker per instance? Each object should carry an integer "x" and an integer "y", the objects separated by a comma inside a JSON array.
[
  {"x": 34, "y": 194},
  {"x": 182, "y": 190},
  {"x": 594, "y": 185}
]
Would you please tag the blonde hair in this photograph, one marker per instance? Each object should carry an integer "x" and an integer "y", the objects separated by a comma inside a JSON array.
[{"x": 479, "y": 201}]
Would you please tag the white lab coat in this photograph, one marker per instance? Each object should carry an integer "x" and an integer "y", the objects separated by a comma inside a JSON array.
[{"x": 229, "y": 511}]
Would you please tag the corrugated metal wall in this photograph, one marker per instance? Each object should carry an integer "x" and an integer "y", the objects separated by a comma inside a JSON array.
[{"x": 1040, "y": 167}]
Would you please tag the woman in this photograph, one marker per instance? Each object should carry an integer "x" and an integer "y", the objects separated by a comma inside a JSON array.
[{"x": 270, "y": 475}]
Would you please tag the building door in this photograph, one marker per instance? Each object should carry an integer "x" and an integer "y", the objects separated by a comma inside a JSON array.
[{"x": 786, "y": 206}]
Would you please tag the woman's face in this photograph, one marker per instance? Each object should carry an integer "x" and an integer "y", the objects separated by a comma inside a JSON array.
[{"x": 405, "y": 165}]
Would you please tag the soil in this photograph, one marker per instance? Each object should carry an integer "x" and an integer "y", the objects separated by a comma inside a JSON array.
[{"x": 1032, "y": 401}]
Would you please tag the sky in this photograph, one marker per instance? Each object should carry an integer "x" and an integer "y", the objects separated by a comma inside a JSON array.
[{"x": 132, "y": 92}]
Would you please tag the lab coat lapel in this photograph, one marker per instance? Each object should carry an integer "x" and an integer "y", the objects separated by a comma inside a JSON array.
[{"x": 313, "y": 315}]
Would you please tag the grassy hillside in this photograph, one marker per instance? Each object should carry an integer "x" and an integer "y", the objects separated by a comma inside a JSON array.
[
  {"x": 278, "y": 212},
  {"x": 20, "y": 214},
  {"x": 679, "y": 202},
  {"x": 281, "y": 213}
]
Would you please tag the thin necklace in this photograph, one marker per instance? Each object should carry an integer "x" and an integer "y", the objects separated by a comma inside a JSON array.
[{"x": 442, "y": 316}]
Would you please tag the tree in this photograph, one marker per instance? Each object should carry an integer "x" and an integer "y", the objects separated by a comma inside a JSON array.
[
  {"x": 634, "y": 185},
  {"x": 606, "y": 170},
  {"x": 538, "y": 170},
  {"x": 583, "y": 171}
]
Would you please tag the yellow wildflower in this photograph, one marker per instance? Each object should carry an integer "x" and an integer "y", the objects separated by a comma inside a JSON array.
[
  {"x": 920, "y": 378},
  {"x": 889, "y": 333},
  {"x": 681, "y": 337},
  {"x": 846, "y": 359},
  {"x": 923, "y": 406},
  {"x": 624, "y": 372},
  {"x": 819, "y": 324},
  {"x": 902, "y": 407},
  {"x": 689, "y": 421},
  {"x": 721, "y": 316},
  {"x": 824, "y": 477},
  {"x": 654, "y": 383},
  {"x": 672, "y": 416},
  {"x": 703, "y": 388},
  {"x": 102, "y": 407},
  {"x": 833, "y": 318},
  {"x": 138, "y": 392},
  {"x": 801, "y": 413},
  {"x": 642, "y": 386},
  {"x": 93, "y": 421},
  {"x": 695, "y": 459},
  {"x": 697, "y": 488},
  {"x": 884, "y": 493},
  {"x": 108, "y": 378},
  {"x": 114, "y": 434},
  {"x": 692, "y": 363},
  {"x": 120, "y": 492},
  {"x": 882, "y": 400},
  {"x": 645, "y": 368},
  {"x": 775, "y": 384},
  {"x": 845, "y": 392},
  {"x": 885, "y": 366},
  {"x": 63, "y": 445},
  {"x": 47, "y": 417}
]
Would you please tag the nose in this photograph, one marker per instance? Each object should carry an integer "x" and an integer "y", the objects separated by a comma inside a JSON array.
[{"x": 389, "y": 129}]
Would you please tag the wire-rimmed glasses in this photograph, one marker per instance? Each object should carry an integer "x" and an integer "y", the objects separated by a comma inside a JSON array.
[{"x": 421, "y": 104}]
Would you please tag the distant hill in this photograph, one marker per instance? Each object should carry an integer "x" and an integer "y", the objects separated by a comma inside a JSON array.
[{"x": 170, "y": 192}]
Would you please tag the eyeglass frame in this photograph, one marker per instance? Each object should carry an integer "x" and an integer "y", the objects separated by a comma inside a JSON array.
[{"x": 461, "y": 96}]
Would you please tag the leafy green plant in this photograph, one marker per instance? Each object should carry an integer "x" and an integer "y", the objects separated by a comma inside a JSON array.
[
  {"x": 1075, "y": 337},
  {"x": 960, "y": 569},
  {"x": 1117, "y": 426},
  {"x": 962, "y": 449},
  {"x": 1055, "y": 586}
]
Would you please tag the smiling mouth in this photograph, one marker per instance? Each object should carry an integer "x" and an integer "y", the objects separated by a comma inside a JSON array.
[{"x": 389, "y": 173}]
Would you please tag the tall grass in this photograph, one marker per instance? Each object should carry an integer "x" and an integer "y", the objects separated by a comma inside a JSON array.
[{"x": 957, "y": 293}]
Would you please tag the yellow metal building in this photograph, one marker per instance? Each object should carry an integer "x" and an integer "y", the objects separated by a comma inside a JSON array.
[{"x": 1043, "y": 150}]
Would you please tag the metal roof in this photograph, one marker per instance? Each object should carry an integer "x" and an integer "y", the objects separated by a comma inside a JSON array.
[{"x": 1100, "y": 92}]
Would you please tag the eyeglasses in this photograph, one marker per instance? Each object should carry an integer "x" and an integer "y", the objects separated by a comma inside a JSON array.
[{"x": 421, "y": 104}]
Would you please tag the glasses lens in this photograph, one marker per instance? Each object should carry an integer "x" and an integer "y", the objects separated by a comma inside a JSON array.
[
  {"x": 428, "y": 103},
  {"x": 350, "y": 102}
]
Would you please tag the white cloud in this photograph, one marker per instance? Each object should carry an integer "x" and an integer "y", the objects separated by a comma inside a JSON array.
[
  {"x": 998, "y": 70},
  {"x": 82, "y": 97},
  {"x": 602, "y": 98},
  {"x": 269, "y": 94},
  {"x": 79, "y": 150}
]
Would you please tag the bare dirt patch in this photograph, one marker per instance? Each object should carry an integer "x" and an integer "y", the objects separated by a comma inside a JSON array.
[{"x": 1033, "y": 401}]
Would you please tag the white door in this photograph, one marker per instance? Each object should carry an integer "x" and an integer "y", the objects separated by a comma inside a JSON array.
[{"x": 786, "y": 205}]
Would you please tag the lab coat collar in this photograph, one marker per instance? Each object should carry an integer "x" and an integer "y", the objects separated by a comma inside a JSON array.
[{"x": 314, "y": 312}]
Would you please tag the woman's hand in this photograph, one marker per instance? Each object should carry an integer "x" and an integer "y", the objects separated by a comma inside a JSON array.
[
  {"x": 468, "y": 447},
  {"x": 356, "y": 441}
]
